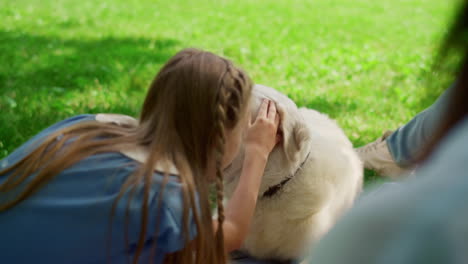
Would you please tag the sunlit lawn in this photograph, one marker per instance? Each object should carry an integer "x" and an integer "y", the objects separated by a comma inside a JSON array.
[{"x": 363, "y": 62}]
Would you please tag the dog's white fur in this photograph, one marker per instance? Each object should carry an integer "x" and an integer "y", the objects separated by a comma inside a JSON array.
[{"x": 286, "y": 225}]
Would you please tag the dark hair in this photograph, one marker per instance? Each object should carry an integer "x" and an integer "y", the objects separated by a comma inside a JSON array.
[{"x": 454, "y": 47}]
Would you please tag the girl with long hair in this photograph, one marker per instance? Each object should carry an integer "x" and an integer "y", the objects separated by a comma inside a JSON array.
[{"x": 109, "y": 188}]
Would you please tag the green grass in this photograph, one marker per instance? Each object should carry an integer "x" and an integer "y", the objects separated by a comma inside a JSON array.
[{"x": 363, "y": 62}]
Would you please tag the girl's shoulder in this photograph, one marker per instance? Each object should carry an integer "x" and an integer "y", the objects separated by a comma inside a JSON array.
[
  {"x": 29, "y": 145},
  {"x": 26, "y": 147}
]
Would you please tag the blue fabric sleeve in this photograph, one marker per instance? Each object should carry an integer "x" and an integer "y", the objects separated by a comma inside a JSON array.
[{"x": 166, "y": 223}]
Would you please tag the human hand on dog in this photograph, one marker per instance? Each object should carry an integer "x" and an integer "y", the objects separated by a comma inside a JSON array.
[
  {"x": 260, "y": 139},
  {"x": 261, "y": 135}
]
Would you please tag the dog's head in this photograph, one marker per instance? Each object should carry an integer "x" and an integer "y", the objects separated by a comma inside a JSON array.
[{"x": 290, "y": 151}]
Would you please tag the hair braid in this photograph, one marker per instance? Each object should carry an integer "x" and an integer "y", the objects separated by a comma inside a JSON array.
[{"x": 220, "y": 140}]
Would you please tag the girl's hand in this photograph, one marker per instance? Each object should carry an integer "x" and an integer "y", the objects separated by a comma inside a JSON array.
[
  {"x": 261, "y": 135},
  {"x": 259, "y": 142}
]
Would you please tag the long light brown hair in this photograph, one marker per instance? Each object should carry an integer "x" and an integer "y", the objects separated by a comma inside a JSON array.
[{"x": 193, "y": 99}]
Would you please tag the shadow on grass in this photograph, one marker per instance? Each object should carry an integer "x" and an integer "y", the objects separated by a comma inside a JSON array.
[
  {"x": 37, "y": 71},
  {"x": 45, "y": 61},
  {"x": 330, "y": 106}
]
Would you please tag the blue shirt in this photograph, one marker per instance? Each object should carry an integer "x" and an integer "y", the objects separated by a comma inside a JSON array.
[{"x": 68, "y": 219}]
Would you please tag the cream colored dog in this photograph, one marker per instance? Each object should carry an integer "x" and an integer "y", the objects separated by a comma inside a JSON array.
[{"x": 310, "y": 179}]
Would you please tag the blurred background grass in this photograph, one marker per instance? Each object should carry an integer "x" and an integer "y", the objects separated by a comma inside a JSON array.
[{"x": 363, "y": 62}]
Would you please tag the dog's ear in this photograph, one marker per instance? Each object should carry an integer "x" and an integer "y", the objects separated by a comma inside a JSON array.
[
  {"x": 292, "y": 131},
  {"x": 292, "y": 128}
]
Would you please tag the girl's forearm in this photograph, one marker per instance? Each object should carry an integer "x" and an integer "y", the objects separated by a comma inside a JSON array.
[{"x": 240, "y": 208}]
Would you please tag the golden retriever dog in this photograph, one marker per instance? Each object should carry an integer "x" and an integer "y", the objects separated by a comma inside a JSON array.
[{"x": 312, "y": 177}]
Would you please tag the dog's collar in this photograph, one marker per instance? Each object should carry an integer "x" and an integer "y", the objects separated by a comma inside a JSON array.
[{"x": 276, "y": 188}]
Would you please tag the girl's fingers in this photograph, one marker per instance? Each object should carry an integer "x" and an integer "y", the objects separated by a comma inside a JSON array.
[
  {"x": 272, "y": 111},
  {"x": 278, "y": 133},
  {"x": 263, "y": 108}
]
